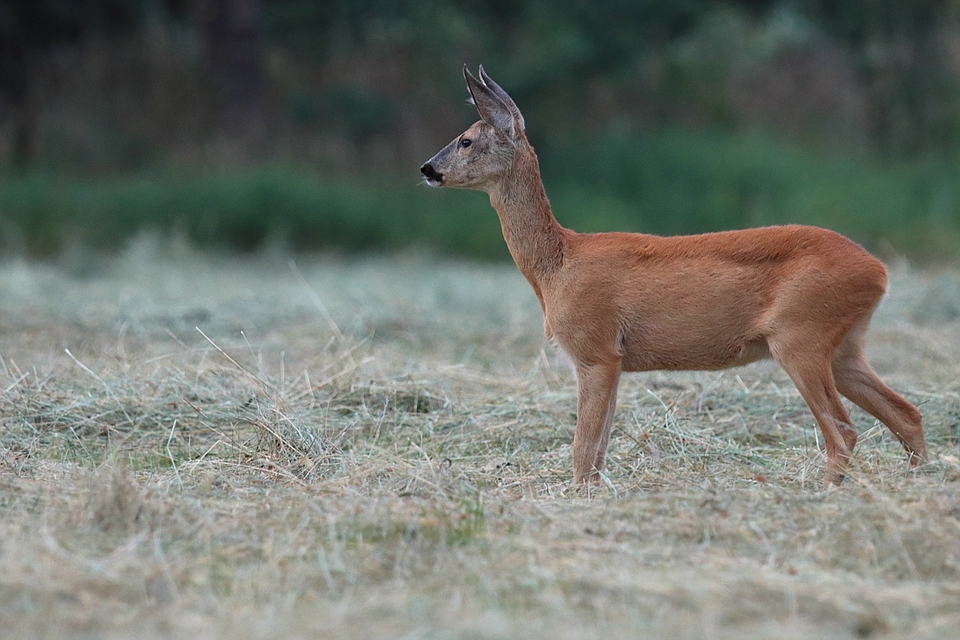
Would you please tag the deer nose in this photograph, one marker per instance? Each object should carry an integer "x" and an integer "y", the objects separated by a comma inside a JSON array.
[{"x": 430, "y": 173}]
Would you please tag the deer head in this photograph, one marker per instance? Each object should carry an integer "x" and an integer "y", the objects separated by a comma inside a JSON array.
[{"x": 480, "y": 156}]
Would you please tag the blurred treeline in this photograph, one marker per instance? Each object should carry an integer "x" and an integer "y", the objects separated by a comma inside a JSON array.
[{"x": 302, "y": 123}]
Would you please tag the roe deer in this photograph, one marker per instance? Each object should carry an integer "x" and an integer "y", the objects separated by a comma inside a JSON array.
[{"x": 618, "y": 302}]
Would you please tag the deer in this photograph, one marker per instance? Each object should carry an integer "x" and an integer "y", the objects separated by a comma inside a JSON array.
[{"x": 619, "y": 302}]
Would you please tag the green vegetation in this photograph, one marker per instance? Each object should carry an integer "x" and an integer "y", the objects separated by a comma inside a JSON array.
[
  {"x": 246, "y": 123},
  {"x": 667, "y": 183},
  {"x": 686, "y": 182},
  {"x": 238, "y": 210}
]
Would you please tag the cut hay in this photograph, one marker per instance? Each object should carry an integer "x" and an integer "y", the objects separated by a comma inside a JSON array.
[{"x": 381, "y": 448}]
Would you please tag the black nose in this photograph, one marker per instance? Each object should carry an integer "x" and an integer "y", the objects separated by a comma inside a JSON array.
[{"x": 430, "y": 173}]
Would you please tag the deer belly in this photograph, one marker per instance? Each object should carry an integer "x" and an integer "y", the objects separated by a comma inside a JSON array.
[{"x": 691, "y": 354}]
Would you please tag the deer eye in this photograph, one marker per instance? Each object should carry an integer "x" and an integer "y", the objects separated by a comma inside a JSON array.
[{"x": 465, "y": 142}]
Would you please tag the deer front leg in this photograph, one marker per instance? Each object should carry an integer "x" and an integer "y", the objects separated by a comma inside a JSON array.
[{"x": 596, "y": 399}]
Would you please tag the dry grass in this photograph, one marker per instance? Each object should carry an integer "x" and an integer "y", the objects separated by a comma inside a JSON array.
[{"x": 381, "y": 448}]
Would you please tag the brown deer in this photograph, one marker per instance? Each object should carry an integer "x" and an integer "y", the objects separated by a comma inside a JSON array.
[{"x": 617, "y": 302}]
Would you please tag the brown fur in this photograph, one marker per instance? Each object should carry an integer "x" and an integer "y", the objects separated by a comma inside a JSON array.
[{"x": 617, "y": 302}]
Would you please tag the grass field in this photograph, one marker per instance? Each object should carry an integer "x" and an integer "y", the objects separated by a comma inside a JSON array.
[{"x": 196, "y": 447}]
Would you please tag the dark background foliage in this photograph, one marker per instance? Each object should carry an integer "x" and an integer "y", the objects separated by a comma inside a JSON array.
[{"x": 243, "y": 122}]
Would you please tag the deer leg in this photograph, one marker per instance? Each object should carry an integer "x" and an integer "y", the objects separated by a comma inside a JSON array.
[
  {"x": 596, "y": 397},
  {"x": 810, "y": 370},
  {"x": 607, "y": 426},
  {"x": 857, "y": 381}
]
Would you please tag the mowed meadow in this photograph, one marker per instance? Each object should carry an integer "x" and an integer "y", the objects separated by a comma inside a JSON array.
[{"x": 202, "y": 447}]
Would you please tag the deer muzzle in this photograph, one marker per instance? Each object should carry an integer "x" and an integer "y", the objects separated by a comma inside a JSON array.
[{"x": 431, "y": 175}]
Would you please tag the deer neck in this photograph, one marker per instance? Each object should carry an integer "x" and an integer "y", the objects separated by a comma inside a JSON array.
[{"x": 534, "y": 237}]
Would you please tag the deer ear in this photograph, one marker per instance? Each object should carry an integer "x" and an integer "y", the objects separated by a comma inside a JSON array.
[
  {"x": 492, "y": 109},
  {"x": 500, "y": 93}
]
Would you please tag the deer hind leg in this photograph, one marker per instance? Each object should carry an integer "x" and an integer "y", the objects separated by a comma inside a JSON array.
[
  {"x": 809, "y": 368},
  {"x": 596, "y": 399},
  {"x": 857, "y": 381}
]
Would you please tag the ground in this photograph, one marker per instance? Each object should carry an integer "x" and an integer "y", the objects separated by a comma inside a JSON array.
[{"x": 199, "y": 447}]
